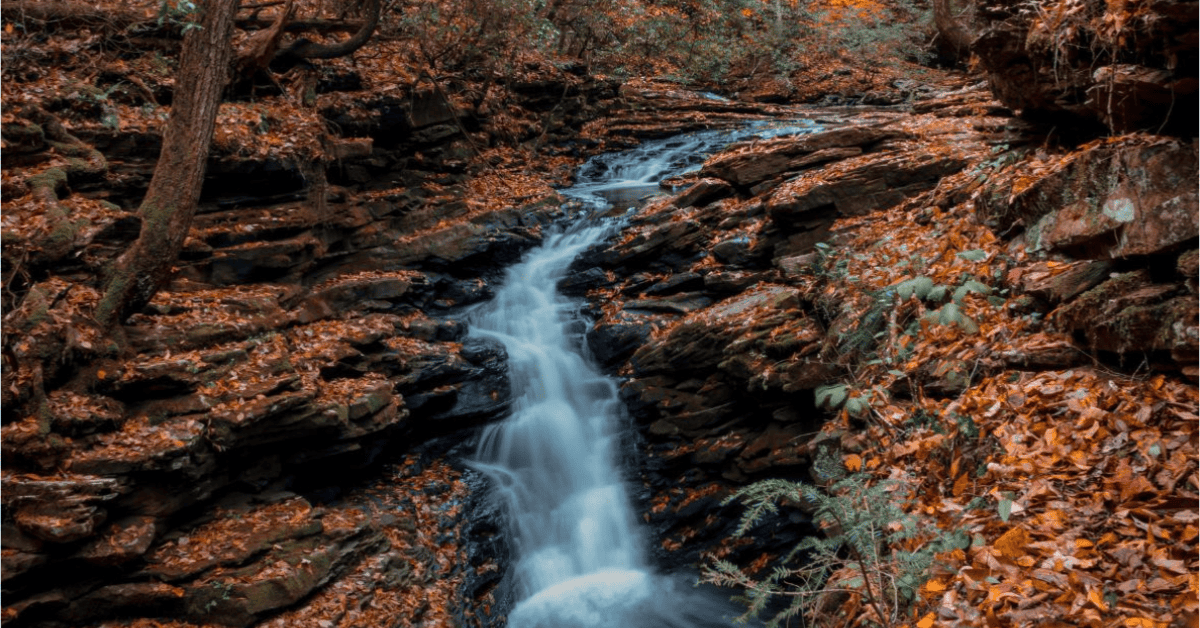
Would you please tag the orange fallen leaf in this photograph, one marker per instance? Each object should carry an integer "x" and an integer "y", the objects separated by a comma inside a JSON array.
[
  {"x": 926, "y": 621},
  {"x": 1012, "y": 543}
]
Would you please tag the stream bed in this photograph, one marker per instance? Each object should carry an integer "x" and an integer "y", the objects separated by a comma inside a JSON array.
[{"x": 578, "y": 556}]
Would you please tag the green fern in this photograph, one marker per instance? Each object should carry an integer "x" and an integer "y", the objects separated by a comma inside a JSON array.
[{"x": 864, "y": 523}]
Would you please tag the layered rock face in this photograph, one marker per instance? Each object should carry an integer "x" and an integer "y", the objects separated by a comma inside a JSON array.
[
  {"x": 1128, "y": 66},
  {"x": 1124, "y": 213},
  {"x": 207, "y": 463},
  {"x": 192, "y": 470},
  {"x": 707, "y": 306},
  {"x": 723, "y": 312}
]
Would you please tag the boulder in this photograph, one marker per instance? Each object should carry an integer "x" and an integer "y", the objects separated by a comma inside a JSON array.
[
  {"x": 578, "y": 283},
  {"x": 700, "y": 341},
  {"x": 483, "y": 392},
  {"x": 683, "y": 303},
  {"x": 703, "y": 192},
  {"x": 861, "y": 185},
  {"x": 1130, "y": 313},
  {"x": 121, "y": 542},
  {"x": 670, "y": 244},
  {"x": 1058, "y": 282},
  {"x": 60, "y": 509},
  {"x": 678, "y": 282},
  {"x": 612, "y": 343},
  {"x": 1093, "y": 64},
  {"x": 1110, "y": 201}
]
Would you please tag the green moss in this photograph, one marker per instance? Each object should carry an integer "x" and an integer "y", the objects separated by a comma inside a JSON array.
[
  {"x": 119, "y": 287},
  {"x": 63, "y": 234},
  {"x": 71, "y": 149},
  {"x": 54, "y": 179}
]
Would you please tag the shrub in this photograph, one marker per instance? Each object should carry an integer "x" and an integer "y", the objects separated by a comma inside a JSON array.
[{"x": 873, "y": 553}]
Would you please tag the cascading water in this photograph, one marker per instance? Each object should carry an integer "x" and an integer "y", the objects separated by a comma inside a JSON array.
[{"x": 577, "y": 553}]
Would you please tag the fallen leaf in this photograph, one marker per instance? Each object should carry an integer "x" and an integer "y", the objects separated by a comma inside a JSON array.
[{"x": 1012, "y": 543}]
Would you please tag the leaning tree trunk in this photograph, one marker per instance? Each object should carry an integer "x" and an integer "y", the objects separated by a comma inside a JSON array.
[
  {"x": 954, "y": 37},
  {"x": 174, "y": 191}
]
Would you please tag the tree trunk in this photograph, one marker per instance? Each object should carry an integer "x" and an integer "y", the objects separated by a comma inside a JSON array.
[
  {"x": 170, "y": 202},
  {"x": 954, "y": 38},
  {"x": 305, "y": 49}
]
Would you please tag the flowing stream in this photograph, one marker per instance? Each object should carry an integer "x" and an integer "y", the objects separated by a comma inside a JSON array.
[{"x": 577, "y": 552}]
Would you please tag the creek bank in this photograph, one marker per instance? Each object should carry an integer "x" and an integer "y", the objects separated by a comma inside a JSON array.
[{"x": 721, "y": 309}]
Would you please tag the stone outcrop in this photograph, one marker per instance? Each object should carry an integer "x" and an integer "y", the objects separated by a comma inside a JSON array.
[
  {"x": 213, "y": 463},
  {"x": 1125, "y": 211},
  {"x": 1114, "y": 200},
  {"x": 705, "y": 306},
  {"x": 1124, "y": 67},
  {"x": 195, "y": 465},
  {"x": 714, "y": 304}
]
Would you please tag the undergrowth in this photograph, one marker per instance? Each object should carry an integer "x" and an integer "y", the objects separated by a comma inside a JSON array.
[{"x": 873, "y": 555}]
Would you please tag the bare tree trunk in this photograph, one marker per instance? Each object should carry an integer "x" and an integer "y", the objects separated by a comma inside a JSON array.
[
  {"x": 174, "y": 191},
  {"x": 955, "y": 37}
]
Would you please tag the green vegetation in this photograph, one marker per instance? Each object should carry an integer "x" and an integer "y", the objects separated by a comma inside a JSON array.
[{"x": 872, "y": 548}]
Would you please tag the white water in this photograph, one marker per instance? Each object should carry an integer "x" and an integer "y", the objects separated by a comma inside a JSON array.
[{"x": 577, "y": 555}]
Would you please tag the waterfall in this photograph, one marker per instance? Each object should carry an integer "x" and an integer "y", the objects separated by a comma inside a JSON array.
[
  {"x": 552, "y": 461},
  {"x": 578, "y": 560}
]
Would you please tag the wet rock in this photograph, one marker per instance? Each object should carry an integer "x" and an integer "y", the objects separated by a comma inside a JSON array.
[
  {"x": 486, "y": 549},
  {"x": 670, "y": 244},
  {"x": 580, "y": 282},
  {"x": 449, "y": 292},
  {"x": 679, "y": 282},
  {"x": 703, "y": 192},
  {"x": 485, "y": 393},
  {"x": 1034, "y": 66},
  {"x": 612, "y": 343},
  {"x": 765, "y": 160}
]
